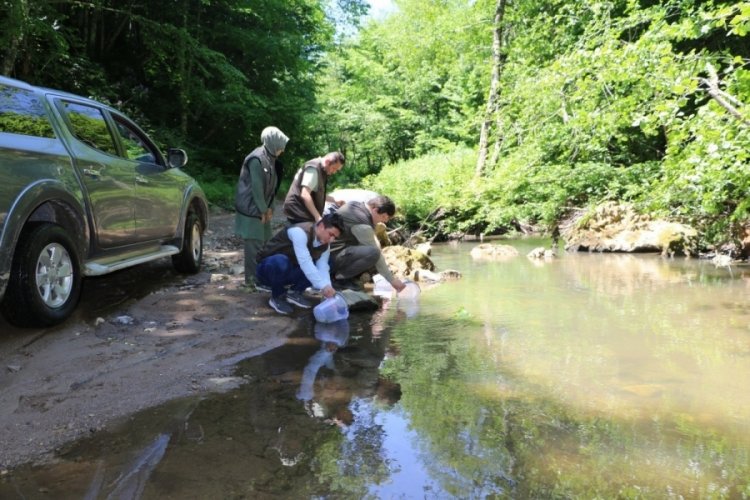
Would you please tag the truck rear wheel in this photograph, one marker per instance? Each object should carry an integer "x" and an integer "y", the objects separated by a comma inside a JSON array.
[{"x": 45, "y": 278}]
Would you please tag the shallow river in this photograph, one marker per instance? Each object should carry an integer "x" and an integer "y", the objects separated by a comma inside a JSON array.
[{"x": 585, "y": 376}]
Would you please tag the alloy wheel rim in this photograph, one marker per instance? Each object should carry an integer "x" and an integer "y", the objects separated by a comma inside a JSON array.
[
  {"x": 196, "y": 241},
  {"x": 54, "y": 275}
]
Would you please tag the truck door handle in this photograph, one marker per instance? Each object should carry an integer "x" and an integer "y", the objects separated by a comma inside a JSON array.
[
  {"x": 92, "y": 173},
  {"x": 139, "y": 179}
]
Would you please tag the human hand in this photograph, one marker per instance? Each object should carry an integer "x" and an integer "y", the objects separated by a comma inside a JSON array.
[
  {"x": 339, "y": 202},
  {"x": 266, "y": 217},
  {"x": 328, "y": 291},
  {"x": 398, "y": 284}
]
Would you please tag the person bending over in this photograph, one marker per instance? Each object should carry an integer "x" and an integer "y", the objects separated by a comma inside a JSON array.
[
  {"x": 357, "y": 249},
  {"x": 307, "y": 194},
  {"x": 297, "y": 257}
]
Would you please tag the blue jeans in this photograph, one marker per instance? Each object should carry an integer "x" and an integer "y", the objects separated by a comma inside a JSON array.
[{"x": 278, "y": 272}]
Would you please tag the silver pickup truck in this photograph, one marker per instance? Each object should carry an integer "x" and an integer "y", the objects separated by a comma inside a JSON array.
[{"x": 84, "y": 192}]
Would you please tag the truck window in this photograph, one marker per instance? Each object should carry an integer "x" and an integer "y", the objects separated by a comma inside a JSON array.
[
  {"x": 88, "y": 125},
  {"x": 21, "y": 112},
  {"x": 136, "y": 147}
]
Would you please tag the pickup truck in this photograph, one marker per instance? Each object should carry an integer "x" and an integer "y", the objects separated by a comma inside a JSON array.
[{"x": 84, "y": 192}]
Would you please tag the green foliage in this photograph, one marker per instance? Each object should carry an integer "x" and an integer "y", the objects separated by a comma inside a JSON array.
[
  {"x": 421, "y": 186},
  {"x": 598, "y": 101},
  {"x": 206, "y": 74},
  {"x": 219, "y": 189},
  {"x": 406, "y": 86}
]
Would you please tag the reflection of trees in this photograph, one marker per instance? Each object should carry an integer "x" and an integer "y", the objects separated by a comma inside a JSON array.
[
  {"x": 348, "y": 467},
  {"x": 22, "y": 113},
  {"x": 465, "y": 437},
  {"x": 626, "y": 274},
  {"x": 38, "y": 126},
  {"x": 620, "y": 274},
  {"x": 486, "y": 429},
  {"x": 93, "y": 131}
]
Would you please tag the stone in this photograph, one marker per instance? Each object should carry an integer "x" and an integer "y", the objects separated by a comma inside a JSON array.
[
  {"x": 541, "y": 253},
  {"x": 405, "y": 262},
  {"x": 493, "y": 252},
  {"x": 613, "y": 227},
  {"x": 425, "y": 248},
  {"x": 359, "y": 301}
]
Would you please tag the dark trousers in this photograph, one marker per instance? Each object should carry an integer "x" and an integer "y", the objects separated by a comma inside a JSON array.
[
  {"x": 352, "y": 261},
  {"x": 278, "y": 272},
  {"x": 252, "y": 245}
]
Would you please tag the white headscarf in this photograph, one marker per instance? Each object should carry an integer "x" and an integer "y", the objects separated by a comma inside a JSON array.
[{"x": 274, "y": 140}]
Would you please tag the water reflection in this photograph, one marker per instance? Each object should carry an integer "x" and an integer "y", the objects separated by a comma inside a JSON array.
[
  {"x": 132, "y": 483},
  {"x": 587, "y": 376},
  {"x": 331, "y": 337}
]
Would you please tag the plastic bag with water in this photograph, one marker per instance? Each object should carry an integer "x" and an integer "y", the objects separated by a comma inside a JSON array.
[{"x": 331, "y": 309}]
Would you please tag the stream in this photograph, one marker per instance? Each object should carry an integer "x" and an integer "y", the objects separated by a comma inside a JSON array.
[{"x": 583, "y": 376}]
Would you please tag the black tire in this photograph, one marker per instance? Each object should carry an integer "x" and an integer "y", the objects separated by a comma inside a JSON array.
[
  {"x": 45, "y": 278},
  {"x": 190, "y": 257}
]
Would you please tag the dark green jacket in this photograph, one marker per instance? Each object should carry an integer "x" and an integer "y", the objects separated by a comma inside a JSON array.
[{"x": 263, "y": 170}]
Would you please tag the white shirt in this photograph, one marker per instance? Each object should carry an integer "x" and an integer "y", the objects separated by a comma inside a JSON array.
[{"x": 319, "y": 272}]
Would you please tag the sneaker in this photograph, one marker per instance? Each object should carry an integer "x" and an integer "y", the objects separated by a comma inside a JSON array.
[
  {"x": 280, "y": 305},
  {"x": 298, "y": 299},
  {"x": 253, "y": 286},
  {"x": 347, "y": 284}
]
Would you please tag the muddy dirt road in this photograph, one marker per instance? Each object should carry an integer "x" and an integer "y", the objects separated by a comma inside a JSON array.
[{"x": 139, "y": 337}]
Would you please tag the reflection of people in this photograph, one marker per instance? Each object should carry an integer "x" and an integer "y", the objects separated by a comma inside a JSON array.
[
  {"x": 332, "y": 336},
  {"x": 307, "y": 195},
  {"x": 358, "y": 250},
  {"x": 387, "y": 392},
  {"x": 297, "y": 257},
  {"x": 256, "y": 189},
  {"x": 390, "y": 312}
]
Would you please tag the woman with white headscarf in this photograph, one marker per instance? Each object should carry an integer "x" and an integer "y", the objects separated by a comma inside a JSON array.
[{"x": 255, "y": 193}]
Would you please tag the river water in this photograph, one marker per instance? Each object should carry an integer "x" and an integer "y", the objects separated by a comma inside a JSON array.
[{"x": 585, "y": 376}]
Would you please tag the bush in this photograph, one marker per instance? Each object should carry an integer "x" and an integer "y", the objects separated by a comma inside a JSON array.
[
  {"x": 421, "y": 186},
  {"x": 219, "y": 189}
]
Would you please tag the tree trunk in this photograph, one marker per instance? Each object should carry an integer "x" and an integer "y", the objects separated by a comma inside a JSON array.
[
  {"x": 184, "y": 69},
  {"x": 491, "y": 108},
  {"x": 496, "y": 148},
  {"x": 185, "y": 63},
  {"x": 18, "y": 20}
]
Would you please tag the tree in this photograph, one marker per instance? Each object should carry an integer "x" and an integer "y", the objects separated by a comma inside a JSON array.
[{"x": 491, "y": 108}]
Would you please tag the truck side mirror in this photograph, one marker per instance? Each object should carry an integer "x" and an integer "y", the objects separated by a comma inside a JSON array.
[{"x": 176, "y": 158}]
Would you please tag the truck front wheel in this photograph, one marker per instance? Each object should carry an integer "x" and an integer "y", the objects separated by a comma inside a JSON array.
[
  {"x": 45, "y": 279},
  {"x": 189, "y": 259}
]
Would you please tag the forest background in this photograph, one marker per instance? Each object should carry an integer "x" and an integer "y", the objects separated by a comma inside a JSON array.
[{"x": 476, "y": 117}]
